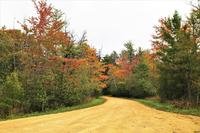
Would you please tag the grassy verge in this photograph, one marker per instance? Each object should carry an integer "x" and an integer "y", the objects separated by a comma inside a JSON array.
[
  {"x": 169, "y": 107},
  {"x": 92, "y": 103}
]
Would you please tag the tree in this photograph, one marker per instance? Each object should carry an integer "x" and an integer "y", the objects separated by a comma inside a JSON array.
[
  {"x": 131, "y": 76},
  {"x": 194, "y": 31},
  {"x": 165, "y": 39},
  {"x": 110, "y": 59},
  {"x": 129, "y": 52},
  {"x": 177, "y": 59},
  {"x": 12, "y": 95},
  {"x": 5, "y": 57},
  {"x": 139, "y": 82}
]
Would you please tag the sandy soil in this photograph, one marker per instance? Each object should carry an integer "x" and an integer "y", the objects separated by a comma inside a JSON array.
[{"x": 115, "y": 116}]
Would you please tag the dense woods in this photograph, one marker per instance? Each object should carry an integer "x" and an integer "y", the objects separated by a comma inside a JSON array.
[
  {"x": 43, "y": 67},
  {"x": 133, "y": 74},
  {"x": 169, "y": 70},
  {"x": 176, "y": 45}
]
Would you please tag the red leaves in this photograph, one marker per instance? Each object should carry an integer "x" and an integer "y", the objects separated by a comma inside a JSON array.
[
  {"x": 41, "y": 22},
  {"x": 46, "y": 29}
]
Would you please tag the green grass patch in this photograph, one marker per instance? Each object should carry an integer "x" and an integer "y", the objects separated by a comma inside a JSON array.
[
  {"x": 169, "y": 107},
  {"x": 91, "y": 103}
]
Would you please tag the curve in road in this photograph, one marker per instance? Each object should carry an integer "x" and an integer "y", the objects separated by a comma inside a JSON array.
[{"x": 115, "y": 115}]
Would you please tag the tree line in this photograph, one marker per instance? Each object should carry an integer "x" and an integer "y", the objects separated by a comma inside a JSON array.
[
  {"x": 170, "y": 70},
  {"x": 43, "y": 67}
]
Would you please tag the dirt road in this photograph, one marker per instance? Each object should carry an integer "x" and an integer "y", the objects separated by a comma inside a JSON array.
[{"x": 115, "y": 116}]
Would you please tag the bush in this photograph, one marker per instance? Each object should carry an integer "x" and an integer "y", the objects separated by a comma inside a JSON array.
[
  {"x": 119, "y": 89},
  {"x": 4, "y": 109},
  {"x": 35, "y": 91},
  {"x": 142, "y": 88},
  {"x": 72, "y": 87},
  {"x": 11, "y": 94}
]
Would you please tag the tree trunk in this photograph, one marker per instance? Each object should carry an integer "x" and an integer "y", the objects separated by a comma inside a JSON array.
[{"x": 197, "y": 97}]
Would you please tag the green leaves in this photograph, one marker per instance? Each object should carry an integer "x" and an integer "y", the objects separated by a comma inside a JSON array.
[
  {"x": 178, "y": 60},
  {"x": 11, "y": 94}
]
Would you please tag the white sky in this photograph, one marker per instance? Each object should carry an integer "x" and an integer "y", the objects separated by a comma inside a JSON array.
[{"x": 109, "y": 23}]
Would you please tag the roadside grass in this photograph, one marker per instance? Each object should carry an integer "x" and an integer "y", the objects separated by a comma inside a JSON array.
[
  {"x": 169, "y": 107},
  {"x": 91, "y": 103}
]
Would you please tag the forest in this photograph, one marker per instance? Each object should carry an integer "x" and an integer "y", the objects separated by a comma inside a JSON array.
[{"x": 42, "y": 65}]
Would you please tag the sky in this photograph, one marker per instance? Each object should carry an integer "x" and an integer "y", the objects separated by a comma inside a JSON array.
[{"x": 108, "y": 23}]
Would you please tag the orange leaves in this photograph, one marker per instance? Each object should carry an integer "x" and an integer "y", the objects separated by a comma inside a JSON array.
[
  {"x": 103, "y": 85},
  {"x": 150, "y": 61},
  {"x": 89, "y": 53},
  {"x": 117, "y": 72},
  {"x": 120, "y": 73},
  {"x": 67, "y": 64},
  {"x": 125, "y": 67},
  {"x": 103, "y": 77},
  {"x": 73, "y": 63}
]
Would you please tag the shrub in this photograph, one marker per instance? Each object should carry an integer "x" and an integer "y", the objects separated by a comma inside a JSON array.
[{"x": 11, "y": 94}]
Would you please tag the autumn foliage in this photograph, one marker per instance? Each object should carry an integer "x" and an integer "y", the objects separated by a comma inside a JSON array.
[
  {"x": 44, "y": 67},
  {"x": 131, "y": 74}
]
